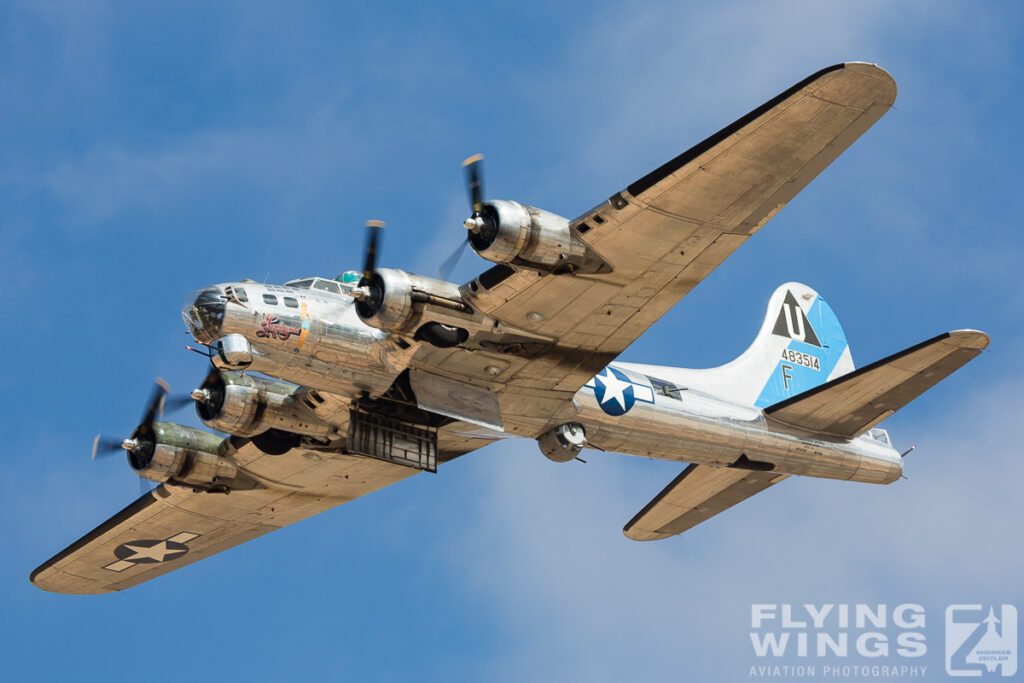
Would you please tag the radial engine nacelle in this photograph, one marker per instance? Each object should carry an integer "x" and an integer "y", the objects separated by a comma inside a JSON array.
[
  {"x": 169, "y": 452},
  {"x": 423, "y": 307},
  {"x": 509, "y": 232},
  {"x": 245, "y": 405}
]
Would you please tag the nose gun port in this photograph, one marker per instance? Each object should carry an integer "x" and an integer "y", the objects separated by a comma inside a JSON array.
[{"x": 203, "y": 313}]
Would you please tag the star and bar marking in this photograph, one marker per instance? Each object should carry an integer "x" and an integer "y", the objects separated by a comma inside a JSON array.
[
  {"x": 616, "y": 393},
  {"x": 151, "y": 551}
]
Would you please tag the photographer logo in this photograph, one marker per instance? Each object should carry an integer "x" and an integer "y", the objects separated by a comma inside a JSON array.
[{"x": 981, "y": 640}]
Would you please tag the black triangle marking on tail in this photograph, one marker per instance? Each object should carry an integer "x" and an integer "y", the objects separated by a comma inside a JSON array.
[{"x": 793, "y": 323}]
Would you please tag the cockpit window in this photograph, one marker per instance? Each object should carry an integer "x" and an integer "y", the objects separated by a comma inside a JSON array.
[
  {"x": 320, "y": 283},
  {"x": 235, "y": 294},
  {"x": 270, "y": 299},
  {"x": 327, "y": 286}
]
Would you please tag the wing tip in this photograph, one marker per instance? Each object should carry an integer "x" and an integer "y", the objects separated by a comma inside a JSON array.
[
  {"x": 51, "y": 582},
  {"x": 885, "y": 96},
  {"x": 886, "y": 90},
  {"x": 41, "y": 580},
  {"x": 634, "y": 534},
  {"x": 970, "y": 339}
]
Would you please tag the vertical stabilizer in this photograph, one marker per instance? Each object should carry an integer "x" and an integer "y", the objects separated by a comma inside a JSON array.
[{"x": 801, "y": 345}]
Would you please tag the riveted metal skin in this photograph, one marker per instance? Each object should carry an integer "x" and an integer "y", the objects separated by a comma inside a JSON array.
[
  {"x": 309, "y": 336},
  {"x": 232, "y": 352},
  {"x": 392, "y": 306},
  {"x": 565, "y": 300},
  {"x": 532, "y": 238},
  {"x": 699, "y": 428},
  {"x": 233, "y": 402},
  {"x": 563, "y": 443},
  {"x": 179, "y": 454},
  {"x": 164, "y": 462},
  {"x": 512, "y": 227},
  {"x": 405, "y": 301},
  {"x": 246, "y": 405}
]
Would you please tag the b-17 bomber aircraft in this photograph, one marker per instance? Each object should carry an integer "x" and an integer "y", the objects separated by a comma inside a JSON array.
[{"x": 329, "y": 389}]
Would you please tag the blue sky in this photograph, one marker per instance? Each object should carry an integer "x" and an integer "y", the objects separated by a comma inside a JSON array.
[{"x": 150, "y": 149}]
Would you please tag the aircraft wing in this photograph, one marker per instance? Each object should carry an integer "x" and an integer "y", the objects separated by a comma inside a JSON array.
[
  {"x": 696, "y": 495},
  {"x": 850, "y": 405},
  {"x": 174, "y": 526},
  {"x": 660, "y": 236}
]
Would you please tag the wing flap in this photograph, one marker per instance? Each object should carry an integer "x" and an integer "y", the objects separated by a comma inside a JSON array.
[
  {"x": 849, "y": 405},
  {"x": 696, "y": 495}
]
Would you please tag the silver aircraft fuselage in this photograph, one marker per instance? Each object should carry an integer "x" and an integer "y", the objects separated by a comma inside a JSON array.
[{"x": 311, "y": 335}]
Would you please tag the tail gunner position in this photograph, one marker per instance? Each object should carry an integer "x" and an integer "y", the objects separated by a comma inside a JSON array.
[{"x": 329, "y": 389}]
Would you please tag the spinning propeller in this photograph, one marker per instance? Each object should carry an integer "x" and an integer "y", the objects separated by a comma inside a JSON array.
[
  {"x": 141, "y": 439},
  {"x": 478, "y": 221},
  {"x": 369, "y": 292},
  {"x": 373, "y": 232}
]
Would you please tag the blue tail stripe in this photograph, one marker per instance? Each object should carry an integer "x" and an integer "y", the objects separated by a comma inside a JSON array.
[{"x": 806, "y": 366}]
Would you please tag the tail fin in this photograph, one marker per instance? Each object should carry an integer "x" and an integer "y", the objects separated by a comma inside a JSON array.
[{"x": 801, "y": 345}]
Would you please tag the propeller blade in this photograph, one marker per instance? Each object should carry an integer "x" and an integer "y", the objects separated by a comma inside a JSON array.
[
  {"x": 447, "y": 267},
  {"x": 474, "y": 180},
  {"x": 102, "y": 446},
  {"x": 177, "y": 402},
  {"x": 155, "y": 407},
  {"x": 373, "y": 230},
  {"x": 141, "y": 436}
]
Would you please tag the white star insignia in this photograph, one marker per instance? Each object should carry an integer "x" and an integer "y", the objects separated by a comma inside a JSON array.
[
  {"x": 157, "y": 553},
  {"x": 613, "y": 388}
]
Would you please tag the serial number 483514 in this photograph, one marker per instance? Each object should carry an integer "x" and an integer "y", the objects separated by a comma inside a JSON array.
[{"x": 804, "y": 359}]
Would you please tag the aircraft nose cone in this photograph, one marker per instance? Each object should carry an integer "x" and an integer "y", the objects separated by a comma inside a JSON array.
[{"x": 203, "y": 313}]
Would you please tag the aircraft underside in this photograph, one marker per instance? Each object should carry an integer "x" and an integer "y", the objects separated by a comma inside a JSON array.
[{"x": 329, "y": 389}]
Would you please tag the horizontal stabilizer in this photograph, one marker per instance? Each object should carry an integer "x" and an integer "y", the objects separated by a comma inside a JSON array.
[
  {"x": 849, "y": 405},
  {"x": 698, "y": 494}
]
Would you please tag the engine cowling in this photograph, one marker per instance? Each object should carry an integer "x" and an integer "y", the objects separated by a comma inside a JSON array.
[
  {"x": 245, "y": 405},
  {"x": 405, "y": 303},
  {"x": 509, "y": 232},
  {"x": 169, "y": 452}
]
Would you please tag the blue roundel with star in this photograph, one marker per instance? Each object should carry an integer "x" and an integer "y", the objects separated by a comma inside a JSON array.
[{"x": 614, "y": 392}]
